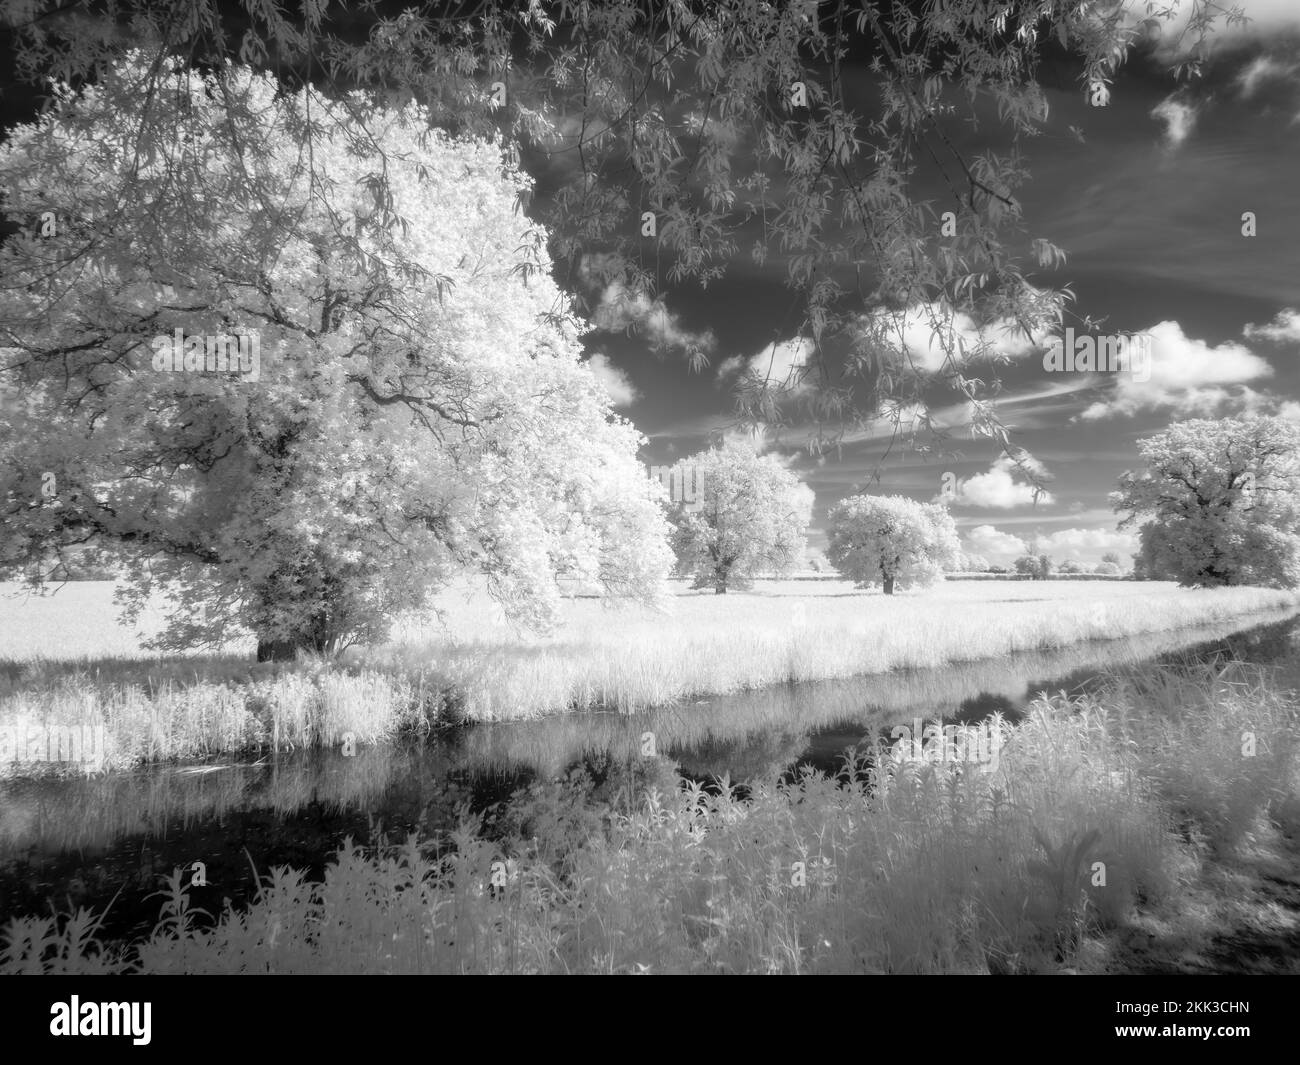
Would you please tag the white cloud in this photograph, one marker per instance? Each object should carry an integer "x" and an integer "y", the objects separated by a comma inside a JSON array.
[
  {"x": 775, "y": 364},
  {"x": 1188, "y": 377},
  {"x": 997, "y": 489},
  {"x": 1083, "y": 544},
  {"x": 993, "y": 544},
  {"x": 926, "y": 333},
  {"x": 616, "y": 383},
  {"x": 620, "y": 310},
  {"x": 1087, "y": 543},
  {"x": 1261, "y": 69},
  {"x": 1179, "y": 119},
  {"x": 755, "y": 436},
  {"x": 1267, "y": 17},
  {"x": 1284, "y": 328}
]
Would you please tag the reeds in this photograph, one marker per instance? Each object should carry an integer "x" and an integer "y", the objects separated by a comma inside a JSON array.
[{"x": 1097, "y": 805}]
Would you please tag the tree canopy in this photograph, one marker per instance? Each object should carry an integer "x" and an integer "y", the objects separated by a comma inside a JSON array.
[
  {"x": 751, "y": 516},
  {"x": 677, "y": 139},
  {"x": 1218, "y": 502},
  {"x": 406, "y": 405},
  {"x": 892, "y": 541}
]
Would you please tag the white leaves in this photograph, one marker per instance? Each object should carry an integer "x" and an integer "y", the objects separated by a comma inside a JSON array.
[
  {"x": 874, "y": 539},
  {"x": 416, "y": 411},
  {"x": 752, "y": 515}
]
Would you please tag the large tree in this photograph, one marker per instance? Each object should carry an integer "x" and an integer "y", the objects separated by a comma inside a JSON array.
[
  {"x": 408, "y": 404},
  {"x": 1218, "y": 502},
  {"x": 892, "y": 541},
  {"x": 677, "y": 137},
  {"x": 751, "y": 516}
]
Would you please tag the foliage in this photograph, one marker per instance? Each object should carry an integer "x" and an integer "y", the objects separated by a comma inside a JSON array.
[
  {"x": 752, "y": 516},
  {"x": 1219, "y": 502},
  {"x": 736, "y": 123},
  {"x": 412, "y": 410},
  {"x": 891, "y": 540},
  {"x": 1039, "y": 567}
]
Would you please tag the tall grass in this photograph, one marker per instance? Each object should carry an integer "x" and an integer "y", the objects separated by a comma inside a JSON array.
[
  {"x": 1098, "y": 805},
  {"x": 631, "y": 660},
  {"x": 312, "y": 705}
]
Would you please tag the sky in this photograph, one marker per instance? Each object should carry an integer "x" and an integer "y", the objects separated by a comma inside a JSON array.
[
  {"x": 1146, "y": 197},
  {"x": 1148, "y": 208}
]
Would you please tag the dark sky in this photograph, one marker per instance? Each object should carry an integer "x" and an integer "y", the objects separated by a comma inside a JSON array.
[{"x": 1148, "y": 208}]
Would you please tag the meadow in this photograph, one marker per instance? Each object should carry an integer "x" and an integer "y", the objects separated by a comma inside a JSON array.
[{"x": 465, "y": 664}]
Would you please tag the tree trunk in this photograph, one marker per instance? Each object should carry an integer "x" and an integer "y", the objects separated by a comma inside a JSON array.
[
  {"x": 889, "y": 585},
  {"x": 720, "y": 587},
  {"x": 276, "y": 650}
]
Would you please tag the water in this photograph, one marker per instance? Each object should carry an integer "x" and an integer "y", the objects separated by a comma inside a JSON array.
[{"x": 92, "y": 841}]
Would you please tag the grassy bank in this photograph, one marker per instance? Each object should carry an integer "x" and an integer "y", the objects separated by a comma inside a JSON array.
[
  {"x": 466, "y": 665},
  {"x": 1100, "y": 813}
]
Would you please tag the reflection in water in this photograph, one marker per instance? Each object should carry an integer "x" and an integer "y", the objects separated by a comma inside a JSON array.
[{"x": 82, "y": 841}]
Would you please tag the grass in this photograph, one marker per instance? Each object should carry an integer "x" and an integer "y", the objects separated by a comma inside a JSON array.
[
  {"x": 1102, "y": 809},
  {"x": 467, "y": 665}
]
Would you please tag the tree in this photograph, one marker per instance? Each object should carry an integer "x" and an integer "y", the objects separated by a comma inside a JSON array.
[
  {"x": 398, "y": 407},
  {"x": 971, "y": 563},
  {"x": 1037, "y": 567},
  {"x": 891, "y": 540},
  {"x": 731, "y": 124},
  {"x": 752, "y": 517},
  {"x": 1072, "y": 566},
  {"x": 1112, "y": 557},
  {"x": 1109, "y": 569},
  {"x": 1221, "y": 503}
]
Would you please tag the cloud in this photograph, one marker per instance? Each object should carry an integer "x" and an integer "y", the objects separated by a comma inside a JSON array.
[
  {"x": 755, "y": 436},
  {"x": 617, "y": 385},
  {"x": 1188, "y": 377},
  {"x": 993, "y": 544},
  {"x": 1179, "y": 119},
  {"x": 620, "y": 311},
  {"x": 775, "y": 364},
  {"x": 1083, "y": 544},
  {"x": 1093, "y": 543},
  {"x": 1176, "y": 42},
  {"x": 927, "y": 331},
  {"x": 1284, "y": 328},
  {"x": 997, "y": 489},
  {"x": 1261, "y": 69}
]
